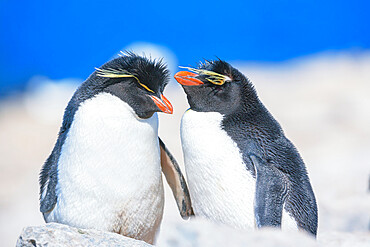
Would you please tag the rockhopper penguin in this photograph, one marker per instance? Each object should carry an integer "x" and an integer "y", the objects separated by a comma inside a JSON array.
[
  {"x": 105, "y": 169},
  {"x": 242, "y": 171}
]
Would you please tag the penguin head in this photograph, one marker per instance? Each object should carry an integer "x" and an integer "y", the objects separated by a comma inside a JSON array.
[
  {"x": 136, "y": 80},
  {"x": 215, "y": 86}
]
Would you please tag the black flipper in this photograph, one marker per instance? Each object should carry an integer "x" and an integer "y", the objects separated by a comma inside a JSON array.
[
  {"x": 49, "y": 179},
  {"x": 177, "y": 182},
  {"x": 48, "y": 202},
  {"x": 49, "y": 172},
  {"x": 271, "y": 190}
]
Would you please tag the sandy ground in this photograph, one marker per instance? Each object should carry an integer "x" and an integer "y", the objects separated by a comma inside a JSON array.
[{"x": 322, "y": 103}]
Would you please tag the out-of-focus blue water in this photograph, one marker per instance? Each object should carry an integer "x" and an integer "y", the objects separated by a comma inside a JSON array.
[{"x": 64, "y": 39}]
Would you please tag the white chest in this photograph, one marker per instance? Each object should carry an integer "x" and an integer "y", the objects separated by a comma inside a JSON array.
[
  {"x": 109, "y": 171},
  {"x": 221, "y": 188}
]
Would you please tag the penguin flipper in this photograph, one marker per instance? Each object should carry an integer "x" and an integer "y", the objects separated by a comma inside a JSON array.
[
  {"x": 176, "y": 181},
  {"x": 49, "y": 177},
  {"x": 271, "y": 190},
  {"x": 48, "y": 182}
]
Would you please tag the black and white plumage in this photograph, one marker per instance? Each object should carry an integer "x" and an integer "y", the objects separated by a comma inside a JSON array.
[
  {"x": 105, "y": 169},
  {"x": 241, "y": 169}
]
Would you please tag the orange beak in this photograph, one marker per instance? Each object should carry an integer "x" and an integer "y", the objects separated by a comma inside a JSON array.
[
  {"x": 187, "y": 78},
  {"x": 163, "y": 104}
]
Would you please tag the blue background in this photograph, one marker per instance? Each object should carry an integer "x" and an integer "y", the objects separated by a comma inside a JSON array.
[{"x": 63, "y": 39}]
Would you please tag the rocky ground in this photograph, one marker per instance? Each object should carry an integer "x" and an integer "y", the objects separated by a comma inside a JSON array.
[
  {"x": 322, "y": 103},
  {"x": 196, "y": 232}
]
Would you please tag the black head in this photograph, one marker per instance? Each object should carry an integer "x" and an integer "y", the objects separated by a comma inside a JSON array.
[
  {"x": 216, "y": 86},
  {"x": 136, "y": 80}
]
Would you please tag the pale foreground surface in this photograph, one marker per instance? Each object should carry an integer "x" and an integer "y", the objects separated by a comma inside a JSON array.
[
  {"x": 54, "y": 234},
  {"x": 196, "y": 232},
  {"x": 322, "y": 103}
]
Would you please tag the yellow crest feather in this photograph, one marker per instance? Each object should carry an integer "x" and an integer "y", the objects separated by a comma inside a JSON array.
[
  {"x": 213, "y": 77},
  {"x": 116, "y": 73}
]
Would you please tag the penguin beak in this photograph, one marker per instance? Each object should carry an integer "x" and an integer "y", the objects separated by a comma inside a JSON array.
[
  {"x": 163, "y": 104},
  {"x": 187, "y": 78}
]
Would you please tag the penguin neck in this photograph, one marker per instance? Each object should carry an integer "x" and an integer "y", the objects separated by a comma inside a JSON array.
[{"x": 249, "y": 99}]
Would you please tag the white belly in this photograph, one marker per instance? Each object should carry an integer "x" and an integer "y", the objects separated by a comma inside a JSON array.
[
  {"x": 109, "y": 174},
  {"x": 221, "y": 188}
]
